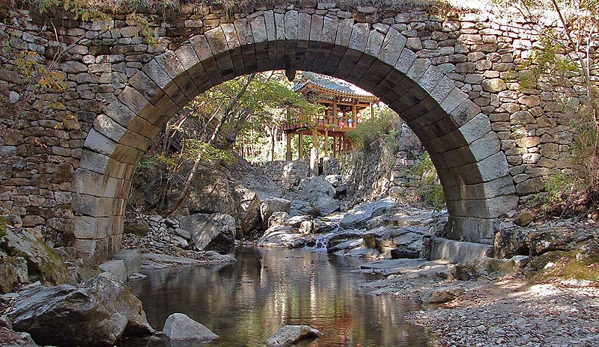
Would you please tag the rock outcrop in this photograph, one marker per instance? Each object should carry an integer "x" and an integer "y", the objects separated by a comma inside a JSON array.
[
  {"x": 94, "y": 313},
  {"x": 42, "y": 262},
  {"x": 211, "y": 231}
]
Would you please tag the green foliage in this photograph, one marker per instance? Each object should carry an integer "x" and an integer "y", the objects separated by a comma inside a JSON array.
[
  {"x": 428, "y": 187},
  {"x": 378, "y": 127},
  {"x": 3, "y": 225},
  {"x": 547, "y": 60},
  {"x": 210, "y": 155}
]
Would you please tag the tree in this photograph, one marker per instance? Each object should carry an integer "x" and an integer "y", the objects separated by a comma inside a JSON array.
[{"x": 207, "y": 129}]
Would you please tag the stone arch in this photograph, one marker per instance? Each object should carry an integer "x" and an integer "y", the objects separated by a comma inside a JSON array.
[{"x": 466, "y": 152}]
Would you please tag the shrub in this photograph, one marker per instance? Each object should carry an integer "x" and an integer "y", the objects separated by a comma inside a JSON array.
[{"x": 427, "y": 185}]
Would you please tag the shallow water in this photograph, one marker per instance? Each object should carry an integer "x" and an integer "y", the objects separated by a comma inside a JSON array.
[{"x": 246, "y": 302}]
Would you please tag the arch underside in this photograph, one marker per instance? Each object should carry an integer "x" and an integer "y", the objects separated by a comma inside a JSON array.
[{"x": 464, "y": 149}]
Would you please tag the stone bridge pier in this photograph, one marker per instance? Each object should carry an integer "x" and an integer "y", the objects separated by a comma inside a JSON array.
[{"x": 450, "y": 74}]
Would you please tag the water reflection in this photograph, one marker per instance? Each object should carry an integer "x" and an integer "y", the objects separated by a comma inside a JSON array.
[{"x": 247, "y": 302}]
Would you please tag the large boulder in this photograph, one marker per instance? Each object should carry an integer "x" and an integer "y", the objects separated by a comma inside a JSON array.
[
  {"x": 282, "y": 237},
  {"x": 214, "y": 232},
  {"x": 180, "y": 328},
  {"x": 94, "y": 313},
  {"x": 320, "y": 194},
  {"x": 43, "y": 262},
  {"x": 236, "y": 189},
  {"x": 292, "y": 334},
  {"x": 250, "y": 219},
  {"x": 358, "y": 216},
  {"x": 510, "y": 242},
  {"x": 272, "y": 205},
  {"x": 555, "y": 239}
]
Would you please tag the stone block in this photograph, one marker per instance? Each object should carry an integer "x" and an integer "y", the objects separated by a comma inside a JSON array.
[
  {"x": 453, "y": 100},
  {"x": 458, "y": 251},
  {"x": 303, "y": 32},
  {"x": 109, "y": 128},
  {"x": 116, "y": 268},
  {"x": 244, "y": 32},
  {"x": 374, "y": 43},
  {"x": 98, "y": 142},
  {"x": 131, "y": 259},
  {"x": 493, "y": 167},
  {"x": 291, "y": 25},
  {"x": 486, "y": 146},
  {"x": 154, "y": 70},
  {"x": 344, "y": 32},
  {"x": 259, "y": 29},
  {"x": 359, "y": 37}
]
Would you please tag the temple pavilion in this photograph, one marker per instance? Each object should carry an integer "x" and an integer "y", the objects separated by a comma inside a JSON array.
[{"x": 342, "y": 103}]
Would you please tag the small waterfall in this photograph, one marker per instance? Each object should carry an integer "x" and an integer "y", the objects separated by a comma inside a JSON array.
[{"x": 322, "y": 242}]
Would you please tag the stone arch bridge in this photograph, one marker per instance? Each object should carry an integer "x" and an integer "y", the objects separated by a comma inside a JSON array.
[{"x": 450, "y": 74}]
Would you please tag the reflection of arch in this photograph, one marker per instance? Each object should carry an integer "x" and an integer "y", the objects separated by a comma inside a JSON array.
[{"x": 464, "y": 149}]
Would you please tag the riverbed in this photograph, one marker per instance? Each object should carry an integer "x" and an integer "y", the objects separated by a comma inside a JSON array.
[{"x": 246, "y": 302}]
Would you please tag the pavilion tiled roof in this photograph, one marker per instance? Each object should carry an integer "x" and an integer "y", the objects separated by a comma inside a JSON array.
[{"x": 332, "y": 86}]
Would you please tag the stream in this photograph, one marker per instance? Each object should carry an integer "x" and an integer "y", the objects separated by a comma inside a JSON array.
[{"x": 246, "y": 302}]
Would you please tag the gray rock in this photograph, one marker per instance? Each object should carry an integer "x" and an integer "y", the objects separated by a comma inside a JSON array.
[
  {"x": 291, "y": 334},
  {"x": 13, "y": 97},
  {"x": 271, "y": 205},
  {"x": 278, "y": 218},
  {"x": 357, "y": 216},
  {"x": 42, "y": 261},
  {"x": 183, "y": 233},
  {"x": 116, "y": 268},
  {"x": 180, "y": 242},
  {"x": 211, "y": 231},
  {"x": 137, "y": 228},
  {"x": 251, "y": 214},
  {"x": 94, "y": 313},
  {"x": 441, "y": 295},
  {"x": 334, "y": 180},
  {"x": 342, "y": 237},
  {"x": 281, "y": 237},
  {"x": 525, "y": 218},
  {"x": 12, "y": 338},
  {"x": 179, "y": 327},
  {"x": 555, "y": 239},
  {"x": 297, "y": 221},
  {"x": 404, "y": 253},
  {"x": 510, "y": 242},
  {"x": 303, "y": 208},
  {"x": 137, "y": 277},
  {"x": 131, "y": 258},
  {"x": 320, "y": 194}
]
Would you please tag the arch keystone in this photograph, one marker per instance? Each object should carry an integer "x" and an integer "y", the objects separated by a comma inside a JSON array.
[{"x": 291, "y": 25}]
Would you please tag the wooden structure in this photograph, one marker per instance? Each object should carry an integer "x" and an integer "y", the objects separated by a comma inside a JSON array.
[{"x": 343, "y": 103}]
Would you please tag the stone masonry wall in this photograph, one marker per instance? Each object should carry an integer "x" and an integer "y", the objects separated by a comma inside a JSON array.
[{"x": 43, "y": 130}]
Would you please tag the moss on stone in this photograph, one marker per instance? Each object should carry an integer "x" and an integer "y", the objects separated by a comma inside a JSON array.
[
  {"x": 3, "y": 226},
  {"x": 562, "y": 264}
]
